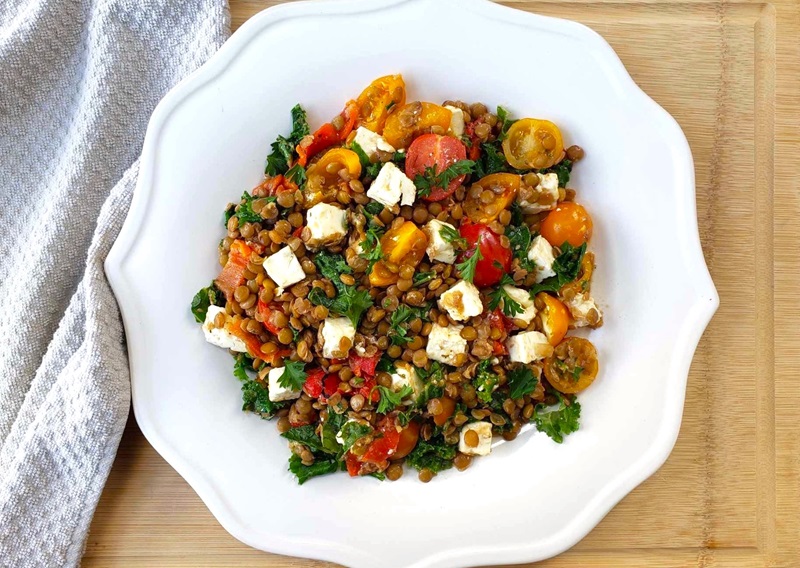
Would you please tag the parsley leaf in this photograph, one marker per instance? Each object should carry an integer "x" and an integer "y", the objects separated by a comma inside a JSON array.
[
  {"x": 390, "y": 399},
  {"x": 243, "y": 364},
  {"x": 398, "y": 331},
  {"x": 433, "y": 383},
  {"x": 520, "y": 238},
  {"x": 563, "y": 169},
  {"x": 307, "y": 436},
  {"x": 351, "y": 432},
  {"x": 521, "y": 381},
  {"x": 452, "y": 236},
  {"x": 297, "y": 175},
  {"x": 373, "y": 208},
  {"x": 350, "y": 301},
  {"x": 205, "y": 298},
  {"x": 244, "y": 210},
  {"x": 505, "y": 123},
  {"x": 467, "y": 268},
  {"x": 331, "y": 266},
  {"x": 430, "y": 179},
  {"x": 492, "y": 160},
  {"x": 560, "y": 421},
  {"x": 306, "y": 472},
  {"x": 368, "y": 167},
  {"x": 421, "y": 278},
  {"x": 283, "y": 148},
  {"x": 567, "y": 265},
  {"x": 386, "y": 364},
  {"x": 434, "y": 455},
  {"x": 485, "y": 381},
  {"x": 294, "y": 375},
  {"x": 372, "y": 246},
  {"x": 500, "y": 296}
]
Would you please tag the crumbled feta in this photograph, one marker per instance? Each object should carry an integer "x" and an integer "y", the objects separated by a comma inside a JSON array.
[
  {"x": 405, "y": 375},
  {"x": 278, "y": 393},
  {"x": 327, "y": 225},
  {"x": 446, "y": 343},
  {"x": 456, "y": 121},
  {"x": 584, "y": 311},
  {"x": 219, "y": 336},
  {"x": 462, "y": 301},
  {"x": 541, "y": 253},
  {"x": 438, "y": 248},
  {"x": 284, "y": 268},
  {"x": 484, "y": 432},
  {"x": 371, "y": 142},
  {"x": 545, "y": 195},
  {"x": 391, "y": 185},
  {"x": 528, "y": 346},
  {"x": 523, "y": 298},
  {"x": 332, "y": 331}
]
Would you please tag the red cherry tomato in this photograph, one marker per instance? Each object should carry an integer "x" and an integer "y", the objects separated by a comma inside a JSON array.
[
  {"x": 496, "y": 259},
  {"x": 313, "y": 384},
  {"x": 363, "y": 366},
  {"x": 439, "y": 151},
  {"x": 386, "y": 446}
]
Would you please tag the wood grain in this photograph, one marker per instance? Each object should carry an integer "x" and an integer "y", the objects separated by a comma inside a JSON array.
[{"x": 729, "y": 495}]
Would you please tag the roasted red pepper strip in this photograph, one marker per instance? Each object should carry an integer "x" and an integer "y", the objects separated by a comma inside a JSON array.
[
  {"x": 313, "y": 384},
  {"x": 363, "y": 366},
  {"x": 474, "y": 150},
  {"x": 384, "y": 447},
  {"x": 266, "y": 314},
  {"x": 232, "y": 275}
]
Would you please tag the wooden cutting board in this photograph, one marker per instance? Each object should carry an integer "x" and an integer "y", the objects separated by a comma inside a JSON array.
[{"x": 729, "y": 495}]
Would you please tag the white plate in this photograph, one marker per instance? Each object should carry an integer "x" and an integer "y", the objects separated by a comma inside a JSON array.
[{"x": 530, "y": 499}]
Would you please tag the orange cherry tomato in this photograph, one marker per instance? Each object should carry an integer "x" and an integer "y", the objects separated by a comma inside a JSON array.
[
  {"x": 378, "y": 100},
  {"x": 438, "y": 151},
  {"x": 404, "y": 245},
  {"x": 408, "y": 440},
  {"x": 554, "y": 315},
  {"x": 323, "y": 176},
  {"x": 448, "y": 407},
  {"x": 573, "y": 365},
  {"x": 413, "y": 119},
  {"x": 569, "y": 222},
  {"x": 533, "y": 143},
  {"x": 504, "y": 188}
]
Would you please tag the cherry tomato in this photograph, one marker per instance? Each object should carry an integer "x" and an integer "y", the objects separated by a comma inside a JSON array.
[
  {"x": 323, "y": 179},
  {"x": 404, "y": 245},
  {"x": 583, "y": 282},
  {"x": 573, "y": 365},
  {"x": 503, "y": 187},
  {"x": 569, "y": 222},
  {"x": 487, "y": 271},
  {"x": 533, "y": 143},
  {"x": 448, "y": 407},
  {"x": 378, "y": 100},
  {"x": 408, "y": 440},
  {"x": 554, "y": 315},
  {"x": 363, "y": 366},
  {"x": 440, "y": 152},
  {"x": 384, "y": 447},
  {"x": 232, "y": 275},
  {"x": 313, "y": 384},
  {"x": 413, "y": 119},
  {"x": 327, "y": 135}
]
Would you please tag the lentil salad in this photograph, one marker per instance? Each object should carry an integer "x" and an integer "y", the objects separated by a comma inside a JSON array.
[{"x": 400, "y": 287}]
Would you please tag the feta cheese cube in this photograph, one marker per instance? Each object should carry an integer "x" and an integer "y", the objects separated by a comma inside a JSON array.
[
  {"x": 327, "y": 225},
  {"x": 456, "y": 121},
  {"x": 523, "y": 298},
  {"x": 405, "y": 375},
  {"x": 445, "y": 344},
  {"x": 545, "y": 195},
  {"x": 278, "y": 393},
  {"x": 528, "y": 346},
  {"x": 484, "y": 433},
  {"x": 371, "y": 142},
  {"x": 541, "y": 253},
  {"x": 584, "y": 311},
  {"x": 462, "y": 301},
  {"x": 220, "y": 336},
  {"x": 284, "y": 268},
  {"x": 391, "y": 185},
  {"x": 333, "y": 330},
  {"x": 438, "y": 248}
]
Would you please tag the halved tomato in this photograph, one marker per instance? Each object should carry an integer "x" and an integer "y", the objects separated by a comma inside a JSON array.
[
  {"x": 554, "y": 316},
  {"x": 323, "y": 177},
  {"x": 573, "y": 365},
  {"x": 379, "y": 99},
  {"x": 409, "y": 436},
  {"x": 413, "y": 119},
  {"x": 327, "y": 135},
  {"x": 404, "y": 245},
  {"x": 568, "y": 222},
  {"x": 448, "y": 407},
  {"x": 384, "y": 447},
  {"x": 533, "y": 143},
  {"x": 496, "y": 259},
  {"x": 503, "y": 189},
  {"x": 440, "y": 152}
]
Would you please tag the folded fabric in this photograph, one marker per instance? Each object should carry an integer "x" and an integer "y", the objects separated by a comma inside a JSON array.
[{"x": 79, "y": 80}]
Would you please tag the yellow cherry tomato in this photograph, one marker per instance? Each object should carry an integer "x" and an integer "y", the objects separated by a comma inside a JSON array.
[
  {"x": 413, "y": 119},
  {"x": 379, "y": 99},
  {"x": 554, "y": 316},
  {"x": 323, "y": 177},
  {"x": 503, "y": 189},
  {"x": 402, "y": 246},
  {"x": 533, "y": 143},
  {"x": 573, "y": 365},
  {"x": 568, "y": 222}
]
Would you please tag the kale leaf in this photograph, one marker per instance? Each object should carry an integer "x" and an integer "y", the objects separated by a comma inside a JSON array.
[
  {"x": 521, "y": 381},
  {"x": 283, "y": 148},
  {"x": 434, "y": 455},
  {"x": 206, "y": 297},
  {"x": 306, "y": 472},
  {"x": 567, "y": 265}
]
